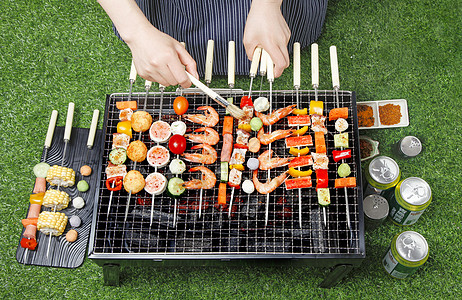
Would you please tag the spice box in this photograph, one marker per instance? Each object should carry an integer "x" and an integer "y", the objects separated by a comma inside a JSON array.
[{"x": 385, "y": 114}]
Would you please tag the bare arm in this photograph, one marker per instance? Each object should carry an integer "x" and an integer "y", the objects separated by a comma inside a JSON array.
[
  {"x": 266, "y": 27},
  {"x": 157, "y": 56}
]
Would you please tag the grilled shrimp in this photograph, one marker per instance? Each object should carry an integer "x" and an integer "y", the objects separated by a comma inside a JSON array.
[
  {"x": 208, "y": 155},
  {"x": 207, "y": 182},
  {"x": 275, "y": 115},
  {"x": 266, "y": 139},
  {"x": 269, "y": 186},
  {"x": 210, "y": 136},
  {"x": 268, "y": 162},
  {"x": 209, "y": 118}
]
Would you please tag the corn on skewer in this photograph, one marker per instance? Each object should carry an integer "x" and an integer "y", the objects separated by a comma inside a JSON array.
[
  {"x": 52, "y": 223},
  {"x": 67, "y": 138},
  {"x": 60, "y": 176},
  {"x": 56, "y": 199}
]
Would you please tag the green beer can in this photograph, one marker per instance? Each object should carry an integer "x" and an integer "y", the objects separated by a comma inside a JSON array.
[
  {"x": 381, "y": 173},
  {"x": 408, "y": 251},
  {"x": 408, "y": 200}
]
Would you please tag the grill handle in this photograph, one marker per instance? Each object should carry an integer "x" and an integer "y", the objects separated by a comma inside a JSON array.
[
  {"x": 231, "y": 63},
  {"x": 297, "y": 67},
  {"x": 209, "y": 62},
  {"x": 91, "y": 133},
  {"x": 334, "y": 67},
  {"x": 51, "y": 128},
  {"x": 255, "y": 61},
  {"x": 314, "y": 65}
]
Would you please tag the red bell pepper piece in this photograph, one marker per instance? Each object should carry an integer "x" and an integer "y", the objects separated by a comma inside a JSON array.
[
  {"x": 338, "y": 155},
  {"x": 114, "y": 183},
  {"x": 240, "y": 146},
  {"x": 322, "y": 178},
  {"x": 28, "y": 243},
  {"x": 246, "y": 101}
]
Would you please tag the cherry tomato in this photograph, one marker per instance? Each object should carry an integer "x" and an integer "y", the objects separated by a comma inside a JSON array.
[
  {"x": 180, "y": 105},
  {"x": 177, "y": 144}
]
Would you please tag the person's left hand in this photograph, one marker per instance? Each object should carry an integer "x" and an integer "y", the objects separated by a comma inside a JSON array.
[{"x": 267, "y": 28}]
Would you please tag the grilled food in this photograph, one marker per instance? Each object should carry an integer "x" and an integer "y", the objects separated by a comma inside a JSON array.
[
  {"x": 134, "y": 182},
  {"x": 52, "y": 223},
  {"x": 137, "y": 151},
  {"x": 141, "y": 121},
  {"x": 62, "y": 176},
  {"x": 56, "y": 199}
]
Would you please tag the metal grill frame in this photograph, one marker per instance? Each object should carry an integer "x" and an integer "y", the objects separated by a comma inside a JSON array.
[{"x": 334, "y": 248}]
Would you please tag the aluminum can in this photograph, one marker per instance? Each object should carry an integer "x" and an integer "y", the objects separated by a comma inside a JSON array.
[
  {"x": 408, "y": 200},
  {"x": 408, "y": 146},
  {"x": 375, "y": 211},
  {"x": 381, "y": 173},
  {"x": 407, "y": 253}
]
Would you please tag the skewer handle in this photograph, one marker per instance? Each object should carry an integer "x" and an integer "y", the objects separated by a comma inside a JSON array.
[
  {"x": 183, "y": 44},
  {"x": 297, "y": 67},
  {"x": 69, "y": 119},
  {"x": 209, "y": 61},
  {"x": 269, "y": 69},
  {"x": 231, "y": 63},
  {"x": 147, "y": 84},
  {"x": 51, "y": 128},
  {"x": 133, "y": 73},
  {"x": 263, "y": 62},
  {"x": 314, "y": 65},
  {"x": 334, "y": 67},
  {"x": 255, "y": 60},
  {"x": 94, "y": 124}
]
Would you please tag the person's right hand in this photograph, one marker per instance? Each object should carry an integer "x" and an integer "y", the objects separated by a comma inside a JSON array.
[{"x": 160, "y": 58}]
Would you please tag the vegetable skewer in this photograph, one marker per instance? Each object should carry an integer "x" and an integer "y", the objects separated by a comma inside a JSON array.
[
  {"x": 297, "y": 74},
  {"x": 47, "y": 145},
  {"x": 315, "y": 84},
  {"x": 231, "y": 78},
  {"x": 336, "y": 85}
]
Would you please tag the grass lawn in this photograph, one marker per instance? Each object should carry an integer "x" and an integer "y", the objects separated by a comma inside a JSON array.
[{"x": 53, "y": 52}]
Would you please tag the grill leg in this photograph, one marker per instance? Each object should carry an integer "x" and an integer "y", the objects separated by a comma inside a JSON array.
[
  {"x": 111, "y": 274},
  {"x": 335, "y": 275}
]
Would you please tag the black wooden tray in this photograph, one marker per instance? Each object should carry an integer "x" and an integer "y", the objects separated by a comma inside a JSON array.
[{"x": 62, "y": 253}]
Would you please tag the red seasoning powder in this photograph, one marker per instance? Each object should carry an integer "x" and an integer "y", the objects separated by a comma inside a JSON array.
[{"x": 390, "y": 114}]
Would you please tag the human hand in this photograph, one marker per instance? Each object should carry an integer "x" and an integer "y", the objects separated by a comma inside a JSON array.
[
  {"x": 267, "y": 28},
  {"x": 160, "y": 58}
]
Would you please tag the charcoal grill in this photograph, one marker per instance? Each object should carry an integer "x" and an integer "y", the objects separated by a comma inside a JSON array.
[{"x": 214, "y": 237}]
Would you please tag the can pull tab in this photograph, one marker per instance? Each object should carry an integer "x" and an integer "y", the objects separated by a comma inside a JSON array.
[
  {"x": 409, "y": 243},
  {"x": 417, "y": 191}
]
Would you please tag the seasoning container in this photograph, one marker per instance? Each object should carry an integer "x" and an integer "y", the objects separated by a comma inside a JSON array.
[
  {"x": 408, "y": 251},
  {"x": 408, "y": 200},
  {"x": 381, "y": 173},
  {"x": 375, "y": 211},
  {"x": 368, "y": 147},
  {"x": 408, "y": 146}
]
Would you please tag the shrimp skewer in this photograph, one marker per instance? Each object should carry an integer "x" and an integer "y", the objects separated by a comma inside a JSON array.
[
  {"x": 207, "y": 182},
  {"x": 210, "y": 136},
  {"x": 268, "y": 138},
  {"x": 208, "y": 155},
  {"x": 209, "y": 118},
  {"x": 269, "y": 185},
  {"x": 268, "y": 162},
  {"x": 275, "y": 115}
]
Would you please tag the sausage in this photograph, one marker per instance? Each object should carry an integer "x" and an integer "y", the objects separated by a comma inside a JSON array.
[
  {"x": 30, "y": 231},
  {"x": 34, "y": 211},
  {"x": 40, "y": 185},
  {"x": 227, "y": 148}
]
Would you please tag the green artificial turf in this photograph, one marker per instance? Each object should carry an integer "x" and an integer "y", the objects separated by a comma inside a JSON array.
[{"x": 53, "y": 52}]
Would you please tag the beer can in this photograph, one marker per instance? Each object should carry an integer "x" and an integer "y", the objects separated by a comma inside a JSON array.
[
  {"x": 381, "y": 173},
  {"x": 407, "y": 253},
  {"x": 408, "y": 146},
  {"x": 408, "y": 200},
  {"x": 375, "y": 211}
]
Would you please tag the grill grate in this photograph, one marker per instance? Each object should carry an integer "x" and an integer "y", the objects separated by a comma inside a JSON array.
[{"x": 245, "y": 232}]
